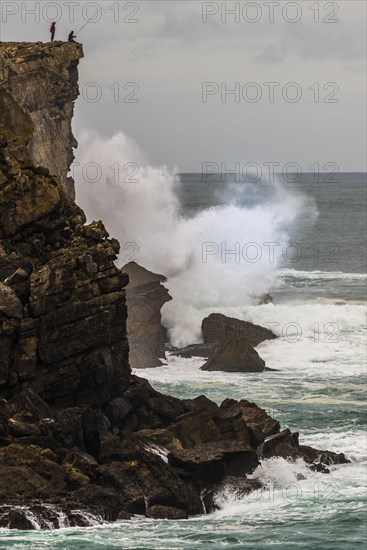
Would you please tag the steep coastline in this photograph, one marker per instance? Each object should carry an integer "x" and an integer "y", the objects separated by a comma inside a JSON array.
[
  {"x": 43, "y": 79},
  {"x": 80, "y": 437}
]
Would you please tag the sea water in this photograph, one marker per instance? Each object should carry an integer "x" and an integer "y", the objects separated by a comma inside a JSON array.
[{"x": 318, "y": 387}]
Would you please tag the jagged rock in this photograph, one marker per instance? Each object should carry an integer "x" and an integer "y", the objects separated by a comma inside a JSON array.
[
  {"x": 280, "y": 444},
  {"x": 142, "y": 478},
  {"x": 160, "y": 437},
  {"x": 209, "y": 463},
  {"x": 258, "y": 422},
  {"x": 218, "y": 329},
  {"x": 145, "y": 297},
  {"x": 319, "y": 467},
  {"x": 10, "y": 305},
  {"x": 194, "y": 350},
  {"x": 235, "y": 355},
  {"x": 325, "y": 457},
  {"x": 20, "y": 429},
  {"x": 165, "y": 512}
]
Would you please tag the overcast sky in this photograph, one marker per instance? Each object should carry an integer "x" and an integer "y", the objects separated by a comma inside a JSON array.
[{"x": 173, "y": 47}]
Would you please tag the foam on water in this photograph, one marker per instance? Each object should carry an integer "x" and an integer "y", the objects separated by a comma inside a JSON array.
[
  {"x": 194, "y": 253},
  {"x": 320, "y": 356},
  {"x": 328, "y": 275}
]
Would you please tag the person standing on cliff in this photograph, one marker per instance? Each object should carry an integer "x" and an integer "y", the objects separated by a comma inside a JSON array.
[{"x": 52, "y": 31}]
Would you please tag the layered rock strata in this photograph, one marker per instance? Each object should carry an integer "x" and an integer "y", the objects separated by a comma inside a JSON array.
[{"x": 43, "y": 79}]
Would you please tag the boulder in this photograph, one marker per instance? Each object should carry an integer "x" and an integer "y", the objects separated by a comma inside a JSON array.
[
  {"x": 235, "y": 355},
  {"x": 194, "y": 350},
  {"x": 209, "y": 463},
  {"x": 217, "y": 329},
  {"x": 259, "y": 424},
  {"x": 280, "y": 444}
]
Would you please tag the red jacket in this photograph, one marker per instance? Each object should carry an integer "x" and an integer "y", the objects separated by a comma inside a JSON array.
[{"x": 53, "y": 28}]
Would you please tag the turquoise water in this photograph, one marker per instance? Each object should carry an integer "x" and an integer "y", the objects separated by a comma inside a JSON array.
[{"x": 318, "y": 389}]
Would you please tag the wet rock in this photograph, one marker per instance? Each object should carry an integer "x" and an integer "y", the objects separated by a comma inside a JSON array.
[
  {"x": 235, "y": 355},
  {"x": 209, "y": 463},
  {"x": 194, "y": 350},
  {"x": 143, "y": 479},
  {"x": 43, "y": 79},
  {"x": 325, "y": 457},
  {"x": 319, "y": 467},
  {"x": 15, "y": 518},
  {"x": 280, "y": 444},
  {"x": 165, "y": 512},
  {"x": 218, "y": 329}
]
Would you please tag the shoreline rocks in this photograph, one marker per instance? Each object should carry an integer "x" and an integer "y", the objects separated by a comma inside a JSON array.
[
  {"x": 235, "y": 356},
  {"x": 229, "y": 345}
]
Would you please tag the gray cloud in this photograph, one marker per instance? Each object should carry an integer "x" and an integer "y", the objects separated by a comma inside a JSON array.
[{"x": 170, "y": 52}]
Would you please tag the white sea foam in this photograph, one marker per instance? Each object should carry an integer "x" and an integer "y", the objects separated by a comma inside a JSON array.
[
  {"x": 326, "y": 275},
  {"x": 195, "y": 254}
]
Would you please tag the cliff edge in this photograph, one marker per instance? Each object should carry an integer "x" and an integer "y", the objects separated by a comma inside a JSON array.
[{"x": 43, "y": 79}]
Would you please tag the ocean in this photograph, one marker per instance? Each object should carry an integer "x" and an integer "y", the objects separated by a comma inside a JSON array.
[{"x": 312, "y": 261}]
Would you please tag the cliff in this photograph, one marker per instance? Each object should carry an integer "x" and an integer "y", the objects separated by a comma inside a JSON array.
[
  {"x": 43, "y": 79},
  {"x": 79, "y": 435},
  {"x": 69, "y": 333}
]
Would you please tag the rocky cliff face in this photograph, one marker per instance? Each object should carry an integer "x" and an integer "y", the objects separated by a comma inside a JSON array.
[
  {"x": 65, "y": 335},
  {"x": 43, "y": 79},
  {"x": 78, "y": 434}
]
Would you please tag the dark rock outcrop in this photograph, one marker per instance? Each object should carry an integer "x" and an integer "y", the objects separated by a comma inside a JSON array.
[
  {"x": 233, "y": 342},
  {"x": 145, "y": 296},
  {"x": 228, "y": 344},
  {"x": 235, "y": 356},
  {"x": 218, "y": 329}
]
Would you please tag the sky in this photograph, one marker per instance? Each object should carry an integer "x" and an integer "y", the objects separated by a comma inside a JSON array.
[{"x": 216, "y": 83}]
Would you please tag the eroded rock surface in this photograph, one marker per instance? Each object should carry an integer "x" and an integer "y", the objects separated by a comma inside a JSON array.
[
  {"x": 43, "y": 79},
  {"x": 218, "y": 329},
  {"x": 228, "y": 345},
  {"x": 235, "y": 356},
  {"x": 145, "y": 296}
]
